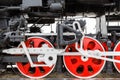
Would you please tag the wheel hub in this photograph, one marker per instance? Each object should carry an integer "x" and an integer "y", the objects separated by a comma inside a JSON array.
[{"x": 84, "y": 59}]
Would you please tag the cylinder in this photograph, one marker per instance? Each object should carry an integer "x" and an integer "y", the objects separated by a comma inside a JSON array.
[{"x": 56, "y": 7}]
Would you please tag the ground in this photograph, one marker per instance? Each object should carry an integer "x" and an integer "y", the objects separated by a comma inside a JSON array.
[{"x": 9, "y": 74}]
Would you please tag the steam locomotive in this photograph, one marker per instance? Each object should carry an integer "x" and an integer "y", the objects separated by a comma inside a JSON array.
[{"x": 35, "y": 53}]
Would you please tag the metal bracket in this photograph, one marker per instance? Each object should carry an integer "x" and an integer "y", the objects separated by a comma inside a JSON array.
[
  {"x": 61, "y": 40},
  {"x": 48, "y": 59}
]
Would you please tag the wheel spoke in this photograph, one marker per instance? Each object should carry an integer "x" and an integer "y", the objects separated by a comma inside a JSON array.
[
  {"x": 85, "y": 70},
  {"x": 95, "y": 68},
  {"x": 85, "y": 44},
  {"x": 26, "y": 66},
  {"x": 37, "y": 72},
  {"x": 97, "y": 47}
]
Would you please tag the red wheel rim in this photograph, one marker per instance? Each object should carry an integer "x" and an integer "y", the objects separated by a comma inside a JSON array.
[
  {"x": 117, "y": 65},
  {"x": 83, "y": 67},
  {"x": 36, "y": 72}
]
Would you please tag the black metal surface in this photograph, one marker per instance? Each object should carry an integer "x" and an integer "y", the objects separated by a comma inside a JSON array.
[
  {"x": 10, "y": 2},
  {"x": 61, "y": 40},
  {"x": 112, "y": 17},
  {"x": 70, "y": 6},
  {"x": 6, "y": 2},
  {"x": 94, "y": 1},
  {"x": 41, "y": 21},
  {"x": 109, "y": 66},
  {"x": 14, "y": 59},
  {"x": 113, "y": 28}
]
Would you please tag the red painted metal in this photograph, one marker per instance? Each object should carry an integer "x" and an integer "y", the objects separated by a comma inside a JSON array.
[
  {"x": 35, "y": 72},
  {"x": 81, "y": 66},
  {"x": 117, "y": 65}
]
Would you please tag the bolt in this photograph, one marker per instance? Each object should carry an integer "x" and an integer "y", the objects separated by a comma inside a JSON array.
[{"x": 50, "y": 58}]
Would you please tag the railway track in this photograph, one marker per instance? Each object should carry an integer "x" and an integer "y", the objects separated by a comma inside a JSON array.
[{"x": 10, "y": 74}]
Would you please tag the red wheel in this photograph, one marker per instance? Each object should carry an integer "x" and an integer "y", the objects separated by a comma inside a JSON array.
[
  {"x": 35, "y": 72},
  {"x": 81, "y": 66},
  {"x": 117, "y": 65}
]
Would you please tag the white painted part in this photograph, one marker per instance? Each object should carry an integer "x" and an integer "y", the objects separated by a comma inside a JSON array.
[
  {"x": 9, "y": 66},
  {"x": 56, "y": 52},
  {"x": 47, "y": 34},
  {"x": 27, "y": 53},
  {"x": 42, "y": 50},
  {"x": 46, "y": 59},
  {"x": 14, "y": 51},
  {"x": 29, "y": 58},
  {"x": 103, "y": 26},
  {"x": 80, "y": 29},
  {"x": 97, "y": 24},
  {"x": 97, "y": 54},
  {"x": 39, "y": 51},
  {"x": 104, "y": 58},
  {"x": 111, "y": 53}
]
